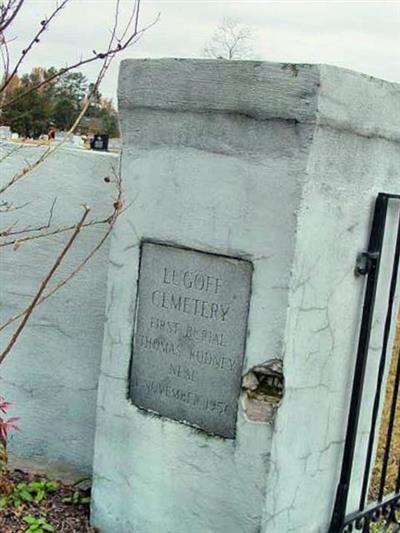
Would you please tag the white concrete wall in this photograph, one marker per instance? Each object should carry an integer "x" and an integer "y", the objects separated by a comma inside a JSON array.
[
  {"x": 51, "y": 374},
  {"x": 278, "y": 164},
  {"x": 354, "y": 155}
]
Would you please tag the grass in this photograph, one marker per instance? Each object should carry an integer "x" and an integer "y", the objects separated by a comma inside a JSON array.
[{"x": 394, "y": 456}]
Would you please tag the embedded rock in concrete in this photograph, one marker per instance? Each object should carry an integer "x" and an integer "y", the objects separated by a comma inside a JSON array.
[{"x": 278, "y": 165}]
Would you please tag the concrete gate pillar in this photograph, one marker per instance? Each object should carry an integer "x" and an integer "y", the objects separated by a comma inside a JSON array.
[{"x": 252, "y": 186}]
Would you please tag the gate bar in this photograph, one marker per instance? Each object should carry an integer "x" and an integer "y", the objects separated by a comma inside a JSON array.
[
  {"x": 389, "y": 433},
  {"x": 393, "y": 407},
  {"x": 398, "y": 475},
  {"x": 379, "y": 381},
  {"x": 374, "y": 254}
]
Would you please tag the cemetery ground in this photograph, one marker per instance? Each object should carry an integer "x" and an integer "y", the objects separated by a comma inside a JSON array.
[{"x": 33, "y": 503}]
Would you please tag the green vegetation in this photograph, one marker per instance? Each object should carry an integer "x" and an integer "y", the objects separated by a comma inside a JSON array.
[
  {"x": 37, "y": 525},
  {"x": 34, "y": 491},
  {"x": 57, "y": 103},
  {"x": 77, "y": 498},
  {"x": 32, "y": 503}
]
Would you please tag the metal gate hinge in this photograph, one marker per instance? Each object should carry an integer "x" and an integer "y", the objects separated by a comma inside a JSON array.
[{"x": 365, "y": 263}]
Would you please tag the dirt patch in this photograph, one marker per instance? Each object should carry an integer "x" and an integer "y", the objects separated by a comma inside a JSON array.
[{"x": 63, "y": 517}]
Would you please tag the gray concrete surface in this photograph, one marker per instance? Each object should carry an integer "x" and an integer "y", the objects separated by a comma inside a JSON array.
[
  {"x": 278, "y": 164},
  {"x": 51, "y": 374}
]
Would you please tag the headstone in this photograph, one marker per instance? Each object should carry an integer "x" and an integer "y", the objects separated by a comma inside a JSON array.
[
  {"x": 237, "y": 174},
  {"x": 59, "y": 135},
  {"x": 99, "y": 142},
  {"x": 77, "y": 141},
  {"x": 5, "y": 132},
  {"x": 114, "y": 144}
]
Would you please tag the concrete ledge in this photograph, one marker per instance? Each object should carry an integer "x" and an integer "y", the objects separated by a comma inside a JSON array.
[
  {"x": 253, "y": 88},
  {"x": 64, "y": 472},
  {"x": 330, "y": 96},
  {"x": 358, "y": 103}
]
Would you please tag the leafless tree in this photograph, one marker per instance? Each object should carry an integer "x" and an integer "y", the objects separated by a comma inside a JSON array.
[
  {"x": 231, "y": 40},
  {"x": 122, "y": 35}
]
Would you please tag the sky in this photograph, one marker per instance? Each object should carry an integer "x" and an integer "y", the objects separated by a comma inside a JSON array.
[{"x": 360, "y": 35}]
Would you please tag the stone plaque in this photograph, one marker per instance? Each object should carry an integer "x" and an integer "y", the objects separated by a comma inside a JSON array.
[{"x": 190, "y": 336}]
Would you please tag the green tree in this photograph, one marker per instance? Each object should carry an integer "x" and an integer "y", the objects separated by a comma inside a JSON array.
[
  {"x": 110, "y": 122},
  {"x": 73, "y": 85},
  {"x": 57, "y": 104},
  {"x": 64, "y": 113},
  {"x": 69, "y": 93},
  {"x": 31, "y": 115},
  {"x": 103, "y": 109}
]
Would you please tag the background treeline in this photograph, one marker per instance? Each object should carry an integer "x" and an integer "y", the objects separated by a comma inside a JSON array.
[{"x": 57, "y": 104}]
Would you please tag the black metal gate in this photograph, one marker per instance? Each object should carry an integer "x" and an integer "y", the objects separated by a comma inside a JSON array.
[{"x": 383, "y": 514}]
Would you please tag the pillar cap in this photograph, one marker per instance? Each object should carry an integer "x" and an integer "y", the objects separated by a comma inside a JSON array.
[{"x": 320, "y": 94}]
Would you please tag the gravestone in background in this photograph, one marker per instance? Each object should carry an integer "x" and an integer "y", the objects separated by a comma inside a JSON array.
[
  {"x": 5, "y": 132},
  {"x": 240, "y": 173}
]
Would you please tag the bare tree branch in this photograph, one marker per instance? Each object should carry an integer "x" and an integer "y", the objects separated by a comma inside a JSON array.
[
  {"x": 11, "y": 152},
  {"x": 44, "y": 24},
  {"x": 28, "y": 229},
  {"x": 231, "y": 40},
  {"x": 118, "y": 209},
  {"x": 5, "y": 55},
  {"x": 43, "y": 286},
  {"x": 6, "y": 207},
  {"x": 55, "y": 147},
  {"x": 116, "y": 46},
  {"x": 8, "y": 11},
  {"x": 43, "y": 234},
  {"x": 107, "y": 57}
]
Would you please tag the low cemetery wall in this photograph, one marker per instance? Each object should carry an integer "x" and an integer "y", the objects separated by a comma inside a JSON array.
[{"x": 51, "y": 374}]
